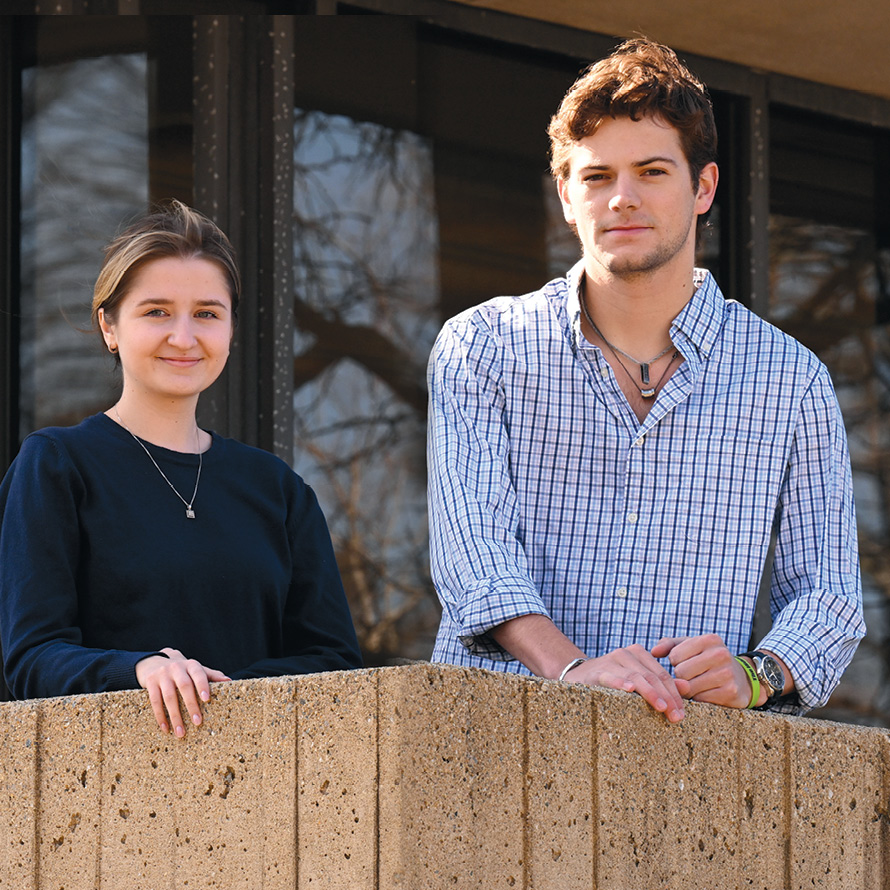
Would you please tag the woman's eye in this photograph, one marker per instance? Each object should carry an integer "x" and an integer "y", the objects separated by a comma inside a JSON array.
[{"x": 207, "y": 313}]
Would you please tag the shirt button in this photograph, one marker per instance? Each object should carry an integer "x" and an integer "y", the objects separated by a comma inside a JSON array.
[
  {"x": 631, "y": 517},
  {"x": 638, "y": 443},
  {"x": 622, "y": 592},
  {"x": 605, "y": 372}
]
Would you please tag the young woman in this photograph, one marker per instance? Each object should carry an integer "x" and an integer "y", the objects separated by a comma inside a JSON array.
[{"x": 137, "y": 549}]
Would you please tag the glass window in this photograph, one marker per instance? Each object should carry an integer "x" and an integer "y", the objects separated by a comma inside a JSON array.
[
  {"x": 367, "y": 291},
  {"x": 418, "y": 194},
  {"x": 829, "y": 289},
  {"x": 102, "y": 134}
]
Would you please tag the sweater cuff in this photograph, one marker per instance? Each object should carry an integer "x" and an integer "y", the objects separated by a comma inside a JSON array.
[{"x": 121, "y": 673}]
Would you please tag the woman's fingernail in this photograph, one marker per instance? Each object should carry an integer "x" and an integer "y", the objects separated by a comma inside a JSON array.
[
  {"x": 205, "y": 696},
  {"x": 180, "y": 732},
  {"x": 196, "y": 719}
]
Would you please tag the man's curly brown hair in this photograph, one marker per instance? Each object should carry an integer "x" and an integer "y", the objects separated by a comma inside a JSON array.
[{"x": 640, "y": 79}]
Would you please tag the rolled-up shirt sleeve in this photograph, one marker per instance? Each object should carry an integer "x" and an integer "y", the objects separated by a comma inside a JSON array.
[
  {"x": 816, "y": 592},
  {"x": 478, "y": 564}
]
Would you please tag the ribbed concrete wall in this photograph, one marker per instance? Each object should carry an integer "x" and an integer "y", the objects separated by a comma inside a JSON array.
[{"x": 425, "y": 777}]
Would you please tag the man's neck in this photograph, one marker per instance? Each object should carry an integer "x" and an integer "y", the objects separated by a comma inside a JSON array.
[{"x": 636, "y": 313}]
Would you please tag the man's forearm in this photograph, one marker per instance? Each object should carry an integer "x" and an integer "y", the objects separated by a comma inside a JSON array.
[{"x": 538, "y": 643}]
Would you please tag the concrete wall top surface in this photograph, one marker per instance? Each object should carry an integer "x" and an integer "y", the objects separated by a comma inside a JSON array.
[{"x": 426, "y": 776}]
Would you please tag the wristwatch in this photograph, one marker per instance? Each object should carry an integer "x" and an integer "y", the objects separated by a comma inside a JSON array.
[{"x": 770, "y": 674}]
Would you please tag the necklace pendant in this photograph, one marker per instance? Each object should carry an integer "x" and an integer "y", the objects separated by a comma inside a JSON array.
[
  {"x": 647, "y": 393},
  {"x": 644, "y": 373},
  {"x": 190, "y": 513}
]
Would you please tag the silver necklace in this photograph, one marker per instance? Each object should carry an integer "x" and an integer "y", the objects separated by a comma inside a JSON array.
[
  {"x": 645, "y": 393},
  {"x": 189, "y": 512},
  {"x": 644, "y": 366}
]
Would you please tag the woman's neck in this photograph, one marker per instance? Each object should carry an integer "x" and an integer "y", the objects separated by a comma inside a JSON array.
[{"x": 172, "y": 426}]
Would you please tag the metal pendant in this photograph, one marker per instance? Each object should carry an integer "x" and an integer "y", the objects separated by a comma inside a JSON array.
[
  {"x": 190, "y": 513},
  {"x": 644, "y": 374},
  {"x": 647, "y": 393}
]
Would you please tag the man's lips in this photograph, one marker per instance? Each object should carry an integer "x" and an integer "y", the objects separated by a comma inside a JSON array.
[{"x": 628, "y": 228}]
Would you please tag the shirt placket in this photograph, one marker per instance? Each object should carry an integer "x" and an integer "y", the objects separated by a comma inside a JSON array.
[{"x": 633, "y": 518}]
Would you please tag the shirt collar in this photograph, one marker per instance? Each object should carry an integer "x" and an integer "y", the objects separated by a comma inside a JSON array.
[
  {"x": 698, "y": 324},
  {"x": 701, "y": 319},
  {"x": 573, "y": 301}
]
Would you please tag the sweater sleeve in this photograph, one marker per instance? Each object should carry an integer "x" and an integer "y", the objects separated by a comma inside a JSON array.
[
  {"x": 40, "y": 552},
  {"x": 317, "y": 632}
]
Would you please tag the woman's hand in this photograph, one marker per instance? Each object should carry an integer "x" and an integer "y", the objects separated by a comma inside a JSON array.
[{"x": 166, "y": 679}]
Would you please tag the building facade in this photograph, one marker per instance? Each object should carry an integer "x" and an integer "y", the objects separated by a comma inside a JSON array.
[{"x": 381, "y": 165}]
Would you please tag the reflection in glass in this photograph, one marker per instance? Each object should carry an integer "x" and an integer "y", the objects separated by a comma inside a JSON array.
[
  {"x": 84, "y": 169},
  {"x": 366, "y": 313},
  {"x": 826, "y": 290}
]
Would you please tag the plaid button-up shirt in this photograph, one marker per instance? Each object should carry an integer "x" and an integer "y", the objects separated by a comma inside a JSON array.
[{"x": 548, "y": 496}]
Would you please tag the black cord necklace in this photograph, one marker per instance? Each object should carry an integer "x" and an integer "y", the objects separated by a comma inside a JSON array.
[{"x": 650, "y": 391}]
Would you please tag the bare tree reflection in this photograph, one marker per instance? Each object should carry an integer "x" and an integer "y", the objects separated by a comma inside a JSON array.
[
  {"x": 84, "y": 169},
  {"x": 365, "y": 313},
  {"x": 826, "y": 292}
]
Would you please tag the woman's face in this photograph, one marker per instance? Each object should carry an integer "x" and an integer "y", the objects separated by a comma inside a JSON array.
[{"x": 173, "y": 329}]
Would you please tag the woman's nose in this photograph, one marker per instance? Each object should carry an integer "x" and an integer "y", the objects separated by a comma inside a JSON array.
[{"x": 182, "y": 333}]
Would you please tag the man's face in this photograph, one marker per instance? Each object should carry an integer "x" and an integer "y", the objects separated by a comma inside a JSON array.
[{"x": 631, "y": 199}]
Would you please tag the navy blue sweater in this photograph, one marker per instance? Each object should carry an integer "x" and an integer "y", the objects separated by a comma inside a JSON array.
[{"x": 100, "y": 567}]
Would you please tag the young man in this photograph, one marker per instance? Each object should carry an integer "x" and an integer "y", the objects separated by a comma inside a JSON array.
[{"x": 610, "y": 455}]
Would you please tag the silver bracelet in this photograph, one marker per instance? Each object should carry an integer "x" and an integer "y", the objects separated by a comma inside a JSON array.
[{"x": 572, "y": 664}]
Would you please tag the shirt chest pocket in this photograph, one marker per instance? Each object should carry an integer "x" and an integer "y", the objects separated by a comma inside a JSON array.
[{"x": 728, "y": 494}]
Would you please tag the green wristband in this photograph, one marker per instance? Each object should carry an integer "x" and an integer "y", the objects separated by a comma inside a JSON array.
[{"x": 752, "y": 676}]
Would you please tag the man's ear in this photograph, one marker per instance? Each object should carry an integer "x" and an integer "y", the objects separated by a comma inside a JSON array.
[
  {"x": 707, "y": 188},
  {"x": 562, "y": 187}
]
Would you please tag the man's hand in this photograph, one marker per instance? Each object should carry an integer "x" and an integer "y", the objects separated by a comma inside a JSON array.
[
  {"x": 709, "y": 671},
  {"x": 545, "y": 651},
  {"x": 633, "y": 669},
  {"x": 166, "y": 679}
]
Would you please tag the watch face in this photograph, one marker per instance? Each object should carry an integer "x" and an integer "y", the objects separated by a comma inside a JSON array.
[{"x": 772, "y": 673}]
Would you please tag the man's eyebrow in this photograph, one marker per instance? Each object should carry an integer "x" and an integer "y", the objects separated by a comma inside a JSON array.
[
  {"x": 657, "y": 159},
  {"x": 646, "y": 162}
]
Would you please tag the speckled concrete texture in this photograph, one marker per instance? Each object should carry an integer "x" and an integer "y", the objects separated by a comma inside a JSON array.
[
  {"x": 833, "y": 775},
  {"x": 451, "y": 779},
  {"x": 18, "y": 795},
  {"x": 427, "y": 777},
  {"x": 561, "y": 777},
  {"x": 336, "y": 746}
]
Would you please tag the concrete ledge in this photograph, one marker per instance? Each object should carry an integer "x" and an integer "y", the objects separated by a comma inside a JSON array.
[{"x": 425, "y": 777}]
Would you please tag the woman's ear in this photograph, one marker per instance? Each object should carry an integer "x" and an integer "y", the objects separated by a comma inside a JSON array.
[{"x": 107, "y": 332}]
